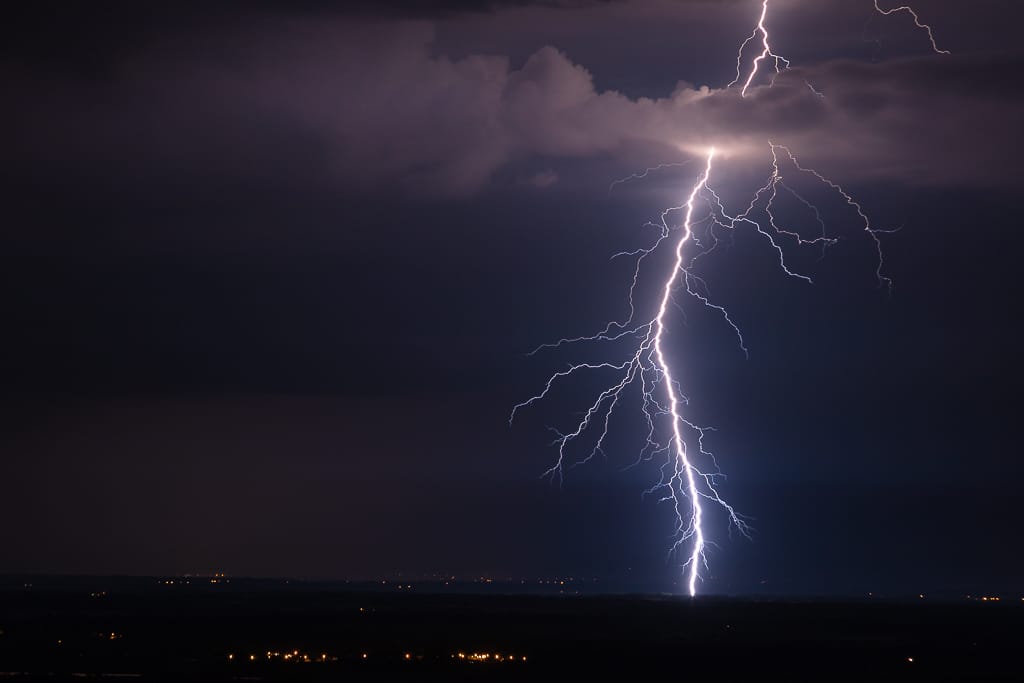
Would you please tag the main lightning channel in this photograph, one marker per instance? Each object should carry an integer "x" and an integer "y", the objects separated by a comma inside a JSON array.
[{"x": 679, "y": 445}]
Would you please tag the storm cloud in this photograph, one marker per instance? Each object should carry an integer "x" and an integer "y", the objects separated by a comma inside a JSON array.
[{"x": 375, "y": 106}]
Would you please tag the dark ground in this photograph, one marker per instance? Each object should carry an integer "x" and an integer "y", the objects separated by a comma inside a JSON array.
[{"x": 144, "y": 628}]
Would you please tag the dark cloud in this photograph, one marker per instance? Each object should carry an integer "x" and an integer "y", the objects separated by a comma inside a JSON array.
[
  {"x": 91, "y": 38},
  {"x": 370, "y": 105}
]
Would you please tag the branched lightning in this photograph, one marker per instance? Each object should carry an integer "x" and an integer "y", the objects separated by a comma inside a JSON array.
[
  {"x": 682, "y": 483},
  {"x": 917, "y": 22},
  {"x": 640, "y": 175},
  {"x": 690, "y": 476},
  {"x": 780, "y": 62}
]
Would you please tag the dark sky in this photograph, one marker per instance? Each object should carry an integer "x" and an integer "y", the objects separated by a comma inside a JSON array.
[{"x": 271, "y": 272}]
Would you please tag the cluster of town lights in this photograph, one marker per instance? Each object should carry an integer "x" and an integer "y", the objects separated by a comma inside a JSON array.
[
  {"x": 487, "y": 657},
  {"x": 299, "y": 656},
  {"x": 293, "y": 656}
]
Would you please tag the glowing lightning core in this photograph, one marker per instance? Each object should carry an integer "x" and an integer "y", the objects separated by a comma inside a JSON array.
[{"x": 673, "y": 401}]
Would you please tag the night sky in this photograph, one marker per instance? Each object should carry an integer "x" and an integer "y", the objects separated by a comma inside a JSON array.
[{"x": 271, "y": 272}]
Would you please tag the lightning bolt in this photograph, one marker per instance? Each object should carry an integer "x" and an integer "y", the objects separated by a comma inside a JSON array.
[
  {"x": 766, "y": 52},
  {"x": 646, "y": 172},
  {"x": 679, "y": 446},
  {"x": 917, "y": 22},
  {"x": 689, "y": 473},
  {"x": 682, "y": 483}
]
